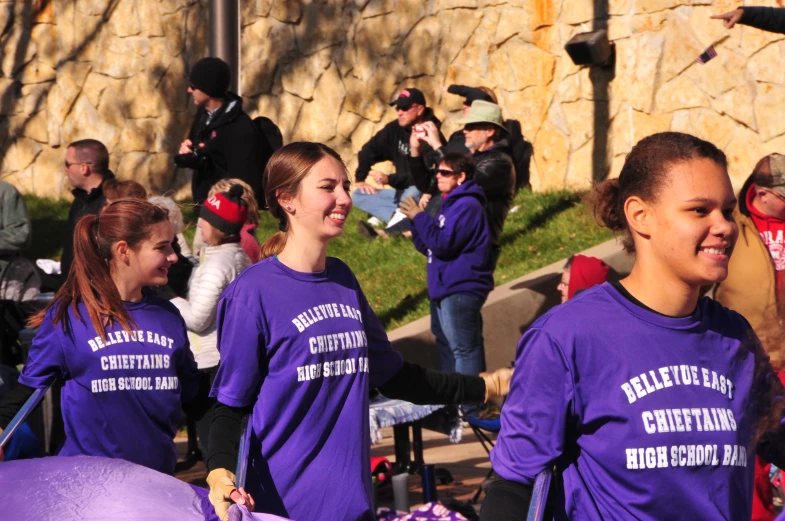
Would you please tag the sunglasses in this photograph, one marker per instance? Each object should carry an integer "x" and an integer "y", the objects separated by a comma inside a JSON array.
[
  {"x": 68, "y": 164},
  {"x": 446, "y": 173}
]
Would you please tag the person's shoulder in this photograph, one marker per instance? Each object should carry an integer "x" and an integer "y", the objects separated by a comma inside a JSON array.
[
  {"x": 166, "y": 306},
  {"x": 724, "y": 320},
  {"x": 590, "y": 306},
  {"x": 338, "y": 268}
]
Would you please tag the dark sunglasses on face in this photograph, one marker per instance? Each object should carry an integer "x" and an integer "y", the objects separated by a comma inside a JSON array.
[
  {"x": 446, "y": 173},
  {"x": 68, "y": 164}
]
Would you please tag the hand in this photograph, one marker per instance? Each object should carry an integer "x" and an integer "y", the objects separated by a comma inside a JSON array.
[
  {"x": 414, "y": 144},
  {"x": 223, "y": 493},
  {"x": 185, "y": 147},
  {"x": 365, "y": 188},
  {"x": 431, "y": 134},
  {"x": 380, "y": 177},
  {"x": 409, "y": 207},
  {"x": 731, "y": 18},
  {"x": 424, "y": 200},
  {"x": 497, "y": 383}
]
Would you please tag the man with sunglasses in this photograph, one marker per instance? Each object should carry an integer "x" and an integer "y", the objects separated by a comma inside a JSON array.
[
  {"x": 391, "y": 143},
  {"x": 224, "y": 142},
  {"x": 87, "y": 167},
  {"x": 486, "y": 138}
]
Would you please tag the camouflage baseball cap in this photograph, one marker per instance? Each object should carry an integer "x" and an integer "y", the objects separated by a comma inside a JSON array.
[{"x": 772, "y": 177}]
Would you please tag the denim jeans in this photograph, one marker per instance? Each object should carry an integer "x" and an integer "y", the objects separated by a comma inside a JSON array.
[
  {"x": 456, "y": 321},
  {"x": 383, "y": 204}
]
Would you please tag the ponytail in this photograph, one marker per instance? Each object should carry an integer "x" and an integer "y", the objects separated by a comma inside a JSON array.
[
  {"x": 90, "y": 280},
  {"x": 274, "y": 244}
]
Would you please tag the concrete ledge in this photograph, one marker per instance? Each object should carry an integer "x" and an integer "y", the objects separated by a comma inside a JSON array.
[{"x": 508, "y": 312}]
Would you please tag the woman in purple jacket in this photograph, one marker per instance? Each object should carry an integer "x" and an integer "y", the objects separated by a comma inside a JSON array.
[{"x": 457, "y": 244}]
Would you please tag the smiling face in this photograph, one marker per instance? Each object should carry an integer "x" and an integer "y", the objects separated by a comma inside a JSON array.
[
  {"x": 149, "y": 262},
  {"x": 564, "y": 286},
  {"x": 322, "y": 203},
  {"x": 688, "y": 233}
]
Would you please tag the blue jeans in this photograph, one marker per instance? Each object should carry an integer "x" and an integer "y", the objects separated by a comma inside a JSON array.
[
  {"x": 382, "y": 205},
  {"x": 456, "y": 322}
]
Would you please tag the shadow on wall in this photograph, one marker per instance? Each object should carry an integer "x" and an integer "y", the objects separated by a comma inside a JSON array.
[{"x": 72, "y": 70}]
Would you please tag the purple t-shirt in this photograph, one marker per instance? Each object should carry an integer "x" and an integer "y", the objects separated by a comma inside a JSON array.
[
  {"x": 122, "y": 397},
  {"x": 304, "y": 349},
  {"x": 647, "y": 416}
]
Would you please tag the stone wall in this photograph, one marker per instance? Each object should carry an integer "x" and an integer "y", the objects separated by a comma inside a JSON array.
[{"x": 116, "y": 70}]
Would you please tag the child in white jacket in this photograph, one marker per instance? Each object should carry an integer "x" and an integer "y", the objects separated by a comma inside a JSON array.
[{"x": 220, "y": 220}]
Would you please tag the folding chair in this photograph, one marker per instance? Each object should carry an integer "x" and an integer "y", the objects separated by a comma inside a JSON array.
[{"x": 482, "y": 430}]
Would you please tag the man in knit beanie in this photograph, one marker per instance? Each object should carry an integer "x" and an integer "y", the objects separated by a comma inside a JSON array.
[{"x": 223, "y": 141}]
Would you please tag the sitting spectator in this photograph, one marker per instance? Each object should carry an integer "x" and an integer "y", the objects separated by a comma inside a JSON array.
[
  {"x": 457, "y": 244},
  {"x": 15, "y": 229},
  {"x": 520, "y": 150},
  {"x": 390, "y": 144},
  {"x": 180, "y": 271},
  {"x": 484, "y": 133},
  {"x": 580, "y": 273},
  {"x": 221, "y": 220},
  {"x": 248, "y": 238},
  {"x": 115, "y": 189}
]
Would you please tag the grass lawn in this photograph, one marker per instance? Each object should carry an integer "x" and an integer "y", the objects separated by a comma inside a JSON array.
[{"x": 547, "y": 227}]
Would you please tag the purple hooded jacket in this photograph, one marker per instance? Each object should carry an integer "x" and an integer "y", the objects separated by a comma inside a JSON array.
[{"x": 458, "y": 244}]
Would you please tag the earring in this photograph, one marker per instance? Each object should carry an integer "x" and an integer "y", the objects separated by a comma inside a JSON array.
[{"x": 288, "y": 208}]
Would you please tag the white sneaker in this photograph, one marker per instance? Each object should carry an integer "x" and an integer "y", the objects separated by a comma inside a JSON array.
[
  {"x": 375, "y": 222},
  {"x": 397, "y": 217}
]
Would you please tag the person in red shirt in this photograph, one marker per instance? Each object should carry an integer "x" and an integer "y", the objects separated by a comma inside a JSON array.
[{"x": 754, "y": 286}]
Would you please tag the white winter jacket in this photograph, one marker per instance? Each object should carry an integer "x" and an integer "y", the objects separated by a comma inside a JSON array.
[{"x": 218, "y": 267}]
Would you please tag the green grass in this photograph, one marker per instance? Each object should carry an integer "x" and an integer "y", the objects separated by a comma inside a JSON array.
[{"x": 547, "y": 227}]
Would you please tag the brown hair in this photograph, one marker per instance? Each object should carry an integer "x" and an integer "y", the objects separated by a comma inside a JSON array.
[
  {"x": 489, "y": 92},
  {"x": 644, "y": 172},
  {"x": 115, "y": 189},
  {"x": 285, "y": 171},
  {"x": 93, "y": 153},
  {"x": 459, "y": 162},
  {"x": 90, "y": 280},
  {"x": 223, "y": 185}
]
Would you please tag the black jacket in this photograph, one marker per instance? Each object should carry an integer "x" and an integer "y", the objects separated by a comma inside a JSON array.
[
  {"x": 392, "y": 144},
  {"x": 84, "y": 204},
  {"x": 494, "y": 172},
  {"x": 520, "y": 150},
  {"x": 234, "y": 147},
  {"x": 770, "y": 19}
]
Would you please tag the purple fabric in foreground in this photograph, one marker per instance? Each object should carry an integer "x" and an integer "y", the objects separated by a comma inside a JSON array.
[
  {"x": 90, "y": 488},
  {"x": 236, "y": 512},
  {"x": 427, "y": 512}
]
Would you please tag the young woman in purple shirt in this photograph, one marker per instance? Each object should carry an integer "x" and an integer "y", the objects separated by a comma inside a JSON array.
[
  {"x": 301, "y": 348},
  {"x": 645, "y": 396},
  {"x": 122, "y": 352}
]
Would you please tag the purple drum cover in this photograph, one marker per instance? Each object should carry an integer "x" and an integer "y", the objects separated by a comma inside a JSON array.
[{"x": 89, "y": 488}]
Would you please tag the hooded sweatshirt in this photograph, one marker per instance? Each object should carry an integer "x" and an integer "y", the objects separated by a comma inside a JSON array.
[
  {"x": 586, "y": 272},
  {"x": 457, "y": 242}
]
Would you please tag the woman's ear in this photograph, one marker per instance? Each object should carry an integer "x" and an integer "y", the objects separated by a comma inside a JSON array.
[
  {"x": 120, "y": 251},
  {"x": 461, "y": 178},
  {"x": 639, "y": 216}
]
